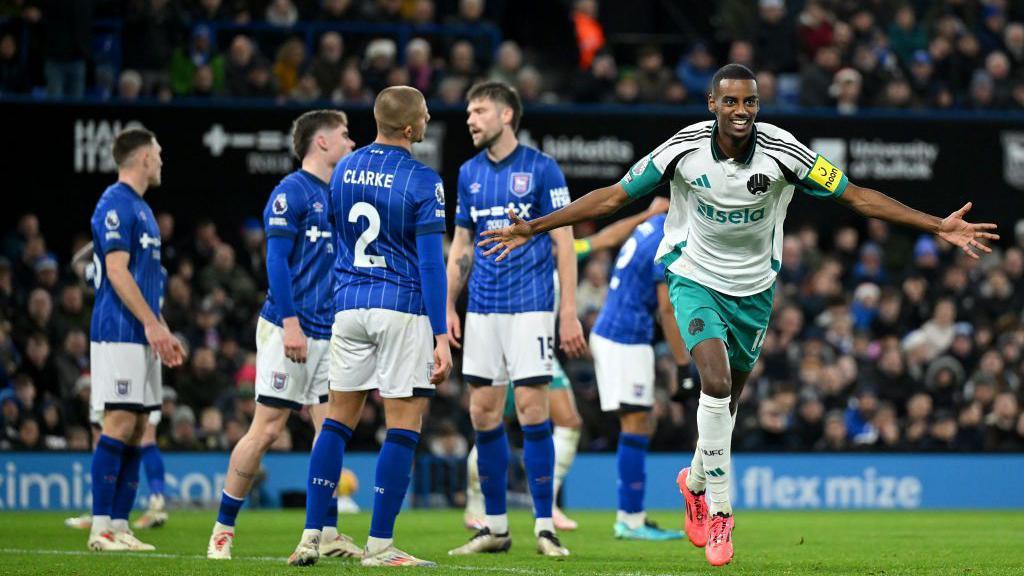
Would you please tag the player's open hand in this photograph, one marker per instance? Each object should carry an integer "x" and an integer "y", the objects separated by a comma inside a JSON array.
[
  {"x": 442, "y": 360},
  {"x": 570, "y": 332},
  {"x": 955, "y": 230},
  {"x": 295, "y": 348},
  {"x": 454, "y": 328},
  {"x": 508, "y": 238},
  {"x": 658, "y": 206},
  {"x": 164, "y": 344}
]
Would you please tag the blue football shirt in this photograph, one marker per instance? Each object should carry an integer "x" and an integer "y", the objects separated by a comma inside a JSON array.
[
  {"x": 298, "y": 207},
  {"x": 531, "y": 183},
  {"x": 628, "y": 313},
  {"x": 123, "y": 221},
  {"x": 381, "y": 199}
]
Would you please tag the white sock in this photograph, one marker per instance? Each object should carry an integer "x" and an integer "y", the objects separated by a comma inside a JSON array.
[
  {"x": 542, "y": 524},
  {"x": 634, "y": 520},
  {"x": 714, "y": 430},
  {"x": 375, "y": 545},
  {"x": 695, "y": 480},
  {"x": 119, "y": 525},
  {"x": 218, "y": 527},
  {"x": 156, "y": 502},
  {"x": 566, "y": 440},
  {"x": 311, "y": 535},
  {"x": 498, "y": 523},
  {"x": 329, "y": 533},
  {"x": 100, "y": 524},
  {"x": 474, "y": 495}
]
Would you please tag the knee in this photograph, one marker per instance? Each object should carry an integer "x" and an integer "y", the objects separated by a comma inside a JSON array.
[
  {"x": 484, "y": 417},
  {"x": 264, "y": 437},
  {"x": 531, "y": 414},
  {"x": 717, "y": 385}
]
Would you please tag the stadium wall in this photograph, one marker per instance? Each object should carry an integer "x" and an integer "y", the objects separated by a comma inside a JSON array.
[
  {"x": 222, "y": 162},
  {"x": 33, "y": 481}
]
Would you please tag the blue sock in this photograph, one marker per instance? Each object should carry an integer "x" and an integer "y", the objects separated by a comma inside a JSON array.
[
  {"x": 127, "y": 483},
  {"x": 632, "y": 472},
  {"x": 394, "y": 470},
  {"x": 539, "y": 461},
  {"x": 106, "y": 465},
  {"x": 492, "y": 457},
  {"x": 229, "y": 507},
  {"x": 331, "y": 519},
  {"x": 324, "y": 470},
  {"x": 154, "y": 463}
]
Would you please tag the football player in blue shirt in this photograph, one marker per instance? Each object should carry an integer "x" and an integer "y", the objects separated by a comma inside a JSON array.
[
  {"x": 624, "y": 365},
  {"x": 510, "y": 325},
  {"x": 294, "y": 329},
  {"x": 129, "y": 338},
  {"x": 389, "y": 329}
]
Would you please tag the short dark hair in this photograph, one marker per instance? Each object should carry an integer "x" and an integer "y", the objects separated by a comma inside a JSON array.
[
  {"x": 731, "y": 72},
  {"x": 130, "y": 140},
  {"x": 502, "y": 93},
  {"x": 307, "y": 125}
]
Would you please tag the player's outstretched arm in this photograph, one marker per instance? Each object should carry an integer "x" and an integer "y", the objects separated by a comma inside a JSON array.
[
  {"x": 570, "y": 330},
  {"x": 164, "y": 344},
  {"x": 596, "y": 204},
  {"x": 616, "y": 233},
  {"x": 953, "y": 228},
  {"x": 460, "y": 264}
]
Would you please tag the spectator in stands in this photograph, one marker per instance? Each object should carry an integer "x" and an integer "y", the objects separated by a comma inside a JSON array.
[
  {"x": 451, "y": 90},
  {"x": 771, "y": 433},
  {"x": 897, "y": 95},
  {"x": 507, "y": 64},
  {"x": 834, "y": 438},
  {"x": 68, "y": 33},
  {"x": 326, "y": 65},
  {"x": 187, "y": 59},
  {"x": 282, "y": 13},
  {"x": 183, "y": 431},
  {"x": 777, "y": 47},
  {"x": 816, "y": 78},
  {"x": 211, "y": 430},
  {"x": 696, "y": 69},
  {"x": 337, "y": 10},
  {"x": 129, "y": 86},
  {"x": 742, "y": 52},
  {"x": 423, "y": 13},
  {"x": 223, "y": 274},
  {"x": 351, "y": 90},
  {"x": 1013, "y": 43},
  {"x": 462, "y": 63},
  {"x": 529, "y": 84},
  {"x": 378, "y": 62},
  {"x": 992, "y": 29},
  {"x": 151, "y": 32},
  {"x": 306, "y": 90},
  {"x": 593, "y": 289},
  {"x": 14, "y": 77},
  {"x": 204, "y": 384},
  {"x": 906, "y": 36},
  {"x": 71, "y": 362},
  {"x": 288, "y": 65},
  {"x": 651, "y": 76},
  {"x": 422, "y": 73},
  {"x": 204, "y": 83},
  {"x": 589, "y": 31},
  {"x": 39, "y": 367},
  {"x": 211, "y": 11},
  {"x": 815, "y": 28},
  {"x": 383, "y": 11},
  {"x": 72, "y": 313},
  {"x": 847, "y": 89},
  {"x": 1002, "y": 425},
  {"x": 597, "y": 84},
  {"x": 997, "y": 65},
  {"x": 242, "y": 59}
]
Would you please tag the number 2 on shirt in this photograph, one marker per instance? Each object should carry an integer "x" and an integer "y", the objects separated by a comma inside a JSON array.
[{"x": 362, "y": 259}]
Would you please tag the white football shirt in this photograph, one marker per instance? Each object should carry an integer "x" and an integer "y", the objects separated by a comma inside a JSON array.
[{"x": 724, "y": 225}]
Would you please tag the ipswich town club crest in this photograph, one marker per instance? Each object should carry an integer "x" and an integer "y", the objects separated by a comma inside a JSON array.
[
  {"x": 123, "y": 387},
  {"x": 280, "y": 381},
  {"x": 521, "y": 183}
]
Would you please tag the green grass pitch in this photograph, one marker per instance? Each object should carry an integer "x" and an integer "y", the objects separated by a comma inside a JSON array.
[{"x": 767, "y": 543}]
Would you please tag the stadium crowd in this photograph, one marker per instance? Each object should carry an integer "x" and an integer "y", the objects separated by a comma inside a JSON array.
[
  {"x": 880, "y": 341},
  {"x": 839, "y": 54}
]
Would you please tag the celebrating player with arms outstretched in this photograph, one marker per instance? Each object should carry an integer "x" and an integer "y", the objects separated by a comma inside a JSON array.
[
  {"x": 129, "y": 337},
  {"x": 389, "y": 327},
  {"x": 731, "y": 181},
  {"x": 294, "y": 329},
  {"x": 509, "y": 323}
]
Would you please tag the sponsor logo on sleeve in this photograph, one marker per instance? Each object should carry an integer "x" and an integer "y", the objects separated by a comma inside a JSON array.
[{"x": 439, "y": 193}]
